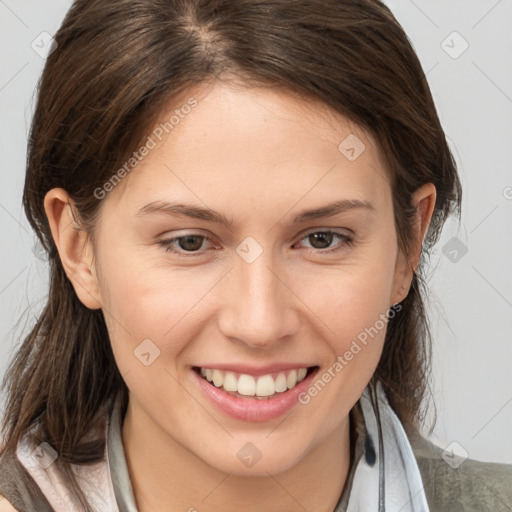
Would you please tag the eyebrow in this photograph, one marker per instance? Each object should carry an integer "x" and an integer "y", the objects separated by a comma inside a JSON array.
[{"x": 198, "y": 212}]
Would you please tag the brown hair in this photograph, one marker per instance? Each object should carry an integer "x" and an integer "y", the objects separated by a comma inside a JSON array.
[{"x": 116, "y": 65}]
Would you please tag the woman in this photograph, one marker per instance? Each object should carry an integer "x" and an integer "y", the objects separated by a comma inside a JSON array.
[{"x": 237, "y": 199}]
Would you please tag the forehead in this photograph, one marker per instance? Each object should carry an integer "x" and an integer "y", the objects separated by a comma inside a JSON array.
[{"x": 240, "y": 146}]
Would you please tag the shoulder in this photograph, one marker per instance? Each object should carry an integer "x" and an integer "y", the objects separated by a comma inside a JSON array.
[
  {"x": 455, "y": 484},
  {"x": 18, "y": 491},
  {"x": 5, "y": 504}
]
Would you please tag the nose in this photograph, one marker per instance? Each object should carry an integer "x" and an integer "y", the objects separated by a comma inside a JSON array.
[{"x": 260, "y": 309}]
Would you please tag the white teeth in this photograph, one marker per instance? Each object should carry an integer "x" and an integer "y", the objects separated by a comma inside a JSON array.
[
  {"x": 247, "y": 385},
  {"x": 265, "y": 386},
  {"x": 291, "y": 380},
  {"x": 218, "y": 378},
  {"x": 230, "y": 382},
  {"x": 281, "y": 383}
]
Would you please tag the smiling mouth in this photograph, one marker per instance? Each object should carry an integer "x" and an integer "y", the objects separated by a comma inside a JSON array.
[{"x": 260, "y": 387}]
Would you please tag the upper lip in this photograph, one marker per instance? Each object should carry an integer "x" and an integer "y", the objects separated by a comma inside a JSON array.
[{"x": 255, "y": 370}]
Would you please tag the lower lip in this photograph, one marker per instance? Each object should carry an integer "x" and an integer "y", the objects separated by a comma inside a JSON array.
[{"x": 251, "y": 408}]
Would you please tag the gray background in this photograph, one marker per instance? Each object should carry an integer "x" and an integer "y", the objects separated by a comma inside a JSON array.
[{"x": 471, "y": 292}]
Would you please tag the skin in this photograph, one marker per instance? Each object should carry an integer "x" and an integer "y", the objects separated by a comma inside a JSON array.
[{"x": 259, "y": 156}]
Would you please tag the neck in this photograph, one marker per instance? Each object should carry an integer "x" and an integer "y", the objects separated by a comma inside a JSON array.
[{"x": 167, "y": 476}]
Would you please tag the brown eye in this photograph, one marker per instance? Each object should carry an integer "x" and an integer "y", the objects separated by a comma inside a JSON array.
[
  {"x": 190, "y": 242},
  {"x": 182, "y": 245},
  {"x": 321, "y": 238},
  {"x": 321, "y": 241}
]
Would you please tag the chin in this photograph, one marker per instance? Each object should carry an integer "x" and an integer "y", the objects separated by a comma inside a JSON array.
[{"x": 256, "y": 457}]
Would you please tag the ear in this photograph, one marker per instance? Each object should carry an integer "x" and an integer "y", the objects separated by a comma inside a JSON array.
[
  {"x": 74, "y": 247},
  {"x": 423, "y": 200}
]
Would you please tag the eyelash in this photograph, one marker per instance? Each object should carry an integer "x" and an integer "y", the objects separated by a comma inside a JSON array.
[{"x": 346, "y": 241}]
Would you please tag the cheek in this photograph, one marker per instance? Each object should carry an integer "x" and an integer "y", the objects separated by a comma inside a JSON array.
[
  {"x": 352, "y": 303},
  {"x": 354, "y": 310},
  {"x": 352, "y": 297},
  {"x": 145, "y": 302}
]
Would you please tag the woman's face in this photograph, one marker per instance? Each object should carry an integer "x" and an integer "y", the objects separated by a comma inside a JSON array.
[{"x": 262, "y": 292}]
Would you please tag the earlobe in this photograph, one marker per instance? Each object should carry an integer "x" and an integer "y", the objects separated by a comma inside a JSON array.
[{"x": 74, "y": 247}]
